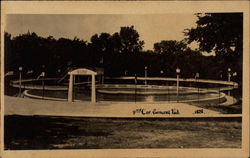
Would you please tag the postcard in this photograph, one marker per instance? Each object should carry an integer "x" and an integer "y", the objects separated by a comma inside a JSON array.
[{"x": 125, "y": 79}]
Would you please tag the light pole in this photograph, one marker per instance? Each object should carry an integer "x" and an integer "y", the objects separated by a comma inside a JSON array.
[
  {"x": 161, "y": 72},
  {"x": 146, "y": 69},
  {"x": 59, "y": 72},
  {"x": 43, "y": 75},
  {"x": 135, "y": 86},
  {"x": 197, "y": 84},
  {"x": 20, "y": 80},
  {"x": 229, "y": 78},
  {"x": 125, "y": 72},
  {"x": 103, "y": 79},
  {"x": 221, "y": 76},
  {"x": 168, "y": 91},
  {"x": 177, "y": 85},
  {"x": 219, "y": 95},
  {"x": 234, "y": 75}
]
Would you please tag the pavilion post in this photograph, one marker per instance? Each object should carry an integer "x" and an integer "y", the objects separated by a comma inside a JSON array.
[
  {"x": 93, "y": 89},
  {"x": 70, "y": 90}
]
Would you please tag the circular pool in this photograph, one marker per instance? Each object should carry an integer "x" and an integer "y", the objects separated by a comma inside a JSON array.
[
  {"x": 124, "y": 92},
  {"x": 132, "y": 93}
]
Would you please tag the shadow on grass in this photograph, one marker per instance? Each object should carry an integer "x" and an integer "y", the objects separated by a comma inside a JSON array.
[{"x": 41, "y": 132}]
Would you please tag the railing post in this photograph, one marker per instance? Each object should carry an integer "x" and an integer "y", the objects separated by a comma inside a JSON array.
[
  {"x": 93, "y": 89},
  {"x": 70, "y": 90}
]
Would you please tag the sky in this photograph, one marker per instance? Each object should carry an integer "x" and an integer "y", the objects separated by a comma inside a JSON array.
[{"x": 152, "y": 28}]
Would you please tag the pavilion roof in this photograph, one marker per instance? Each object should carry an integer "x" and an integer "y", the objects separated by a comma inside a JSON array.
[{"x": 82, "y": 71}]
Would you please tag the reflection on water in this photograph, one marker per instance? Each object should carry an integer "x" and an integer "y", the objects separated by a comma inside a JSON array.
[
  {"x": 149, "y": 98},
  {"x": 84, "y": 95}
]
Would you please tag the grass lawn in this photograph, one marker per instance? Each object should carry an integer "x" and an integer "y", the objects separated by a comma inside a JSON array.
[{"x": 41, "y": 132}]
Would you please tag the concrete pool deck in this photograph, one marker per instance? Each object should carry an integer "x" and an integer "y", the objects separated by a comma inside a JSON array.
[{"x": 29, "y": 107}]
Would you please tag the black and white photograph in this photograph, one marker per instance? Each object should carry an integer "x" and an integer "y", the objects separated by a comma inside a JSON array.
[{"x": 123, "y": 81}]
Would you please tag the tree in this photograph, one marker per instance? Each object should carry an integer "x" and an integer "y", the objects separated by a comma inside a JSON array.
[
  {"x": 117, "y": 52},
  {"x": 8, "y": 57},
  {"x": 170, "y": 47},
  {"x": 32, "y": 51},
  {"x": 219, "y": 32},
  {"x": 130, "y": 42},
  {"x": 175, "y": 54},
  {"x": 100, "y": 48},
  {"x": 101, "y": 43}
]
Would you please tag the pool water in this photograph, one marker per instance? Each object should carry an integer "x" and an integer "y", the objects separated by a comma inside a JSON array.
[{"x": 130, "y": 93}]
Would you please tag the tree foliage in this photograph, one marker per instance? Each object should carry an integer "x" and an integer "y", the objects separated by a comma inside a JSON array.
[
  {"x": 171, "y": 47},
  {"x": 109, "y": 51},
  {"x": 130, "y": 40},
  {"x": 117, "y": 53},
  {"x": 219, "y": 32}
]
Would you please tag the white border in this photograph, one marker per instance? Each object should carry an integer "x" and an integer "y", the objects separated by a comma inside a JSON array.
[{"x": 134, "y": 7}]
